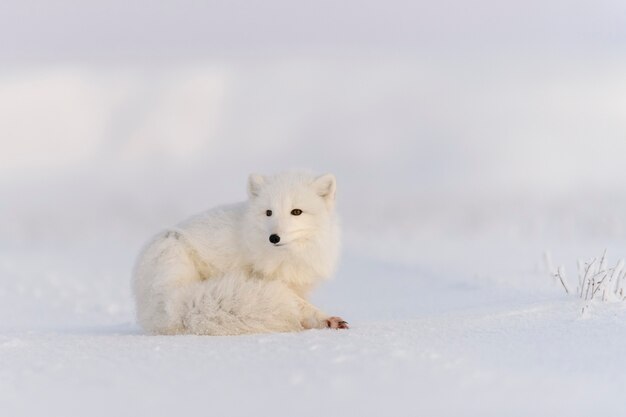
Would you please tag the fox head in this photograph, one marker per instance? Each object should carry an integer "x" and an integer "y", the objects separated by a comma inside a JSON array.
[{"x": 291, "y": 215}]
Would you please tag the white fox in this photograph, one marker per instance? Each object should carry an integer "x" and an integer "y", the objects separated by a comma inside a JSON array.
[{"x": 244, "y": 268}]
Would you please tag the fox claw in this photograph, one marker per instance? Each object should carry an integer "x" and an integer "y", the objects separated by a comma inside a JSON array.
[{"x": 337, "y": 323}]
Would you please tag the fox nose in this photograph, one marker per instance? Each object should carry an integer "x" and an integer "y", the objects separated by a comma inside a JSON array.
[{"x": 274, "y": 239}]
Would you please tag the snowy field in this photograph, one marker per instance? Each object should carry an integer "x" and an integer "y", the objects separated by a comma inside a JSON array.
[{"x": 459, "y": 167}]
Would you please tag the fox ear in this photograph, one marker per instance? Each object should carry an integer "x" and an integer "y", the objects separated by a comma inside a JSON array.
[
  {"x": 325, "y": 186},
  {"x": 255, "y": 183}
]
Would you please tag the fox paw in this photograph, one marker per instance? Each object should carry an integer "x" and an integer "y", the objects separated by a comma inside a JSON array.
[{"x": 336, "y": 323}]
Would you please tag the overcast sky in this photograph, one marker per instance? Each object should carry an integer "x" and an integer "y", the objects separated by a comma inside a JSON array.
[
  {"x": 186, "y": 29},
  {"x": 461, "y": 94}
]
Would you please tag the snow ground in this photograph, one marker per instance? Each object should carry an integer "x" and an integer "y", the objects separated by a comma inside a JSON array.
[
  {"x": 447, "y": 208},
  {"x": 420, "y": 343}
]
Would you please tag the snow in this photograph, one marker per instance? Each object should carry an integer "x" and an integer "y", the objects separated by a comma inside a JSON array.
[
  {"x": 460, "y": 164},
  {"x": 419, "y": 343},
  {"x": 535, "y": 360}
]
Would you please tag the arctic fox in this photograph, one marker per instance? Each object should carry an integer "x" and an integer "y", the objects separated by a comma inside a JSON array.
[{"x": 243, "y": 268}]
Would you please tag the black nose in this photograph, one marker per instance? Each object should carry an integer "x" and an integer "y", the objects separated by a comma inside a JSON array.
[{"x": 274, "y": 239}]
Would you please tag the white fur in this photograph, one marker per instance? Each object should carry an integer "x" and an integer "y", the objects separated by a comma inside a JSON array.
[{"x": 217, "y": 273}]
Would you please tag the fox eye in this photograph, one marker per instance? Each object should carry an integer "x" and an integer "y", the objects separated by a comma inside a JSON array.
[
  {"x": 268, "y": 213},
  {"x": 296, "y": 212}
]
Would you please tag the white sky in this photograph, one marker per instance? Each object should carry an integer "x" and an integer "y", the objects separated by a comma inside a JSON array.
[
  {"x": 481, "y": 95},
  {"x": 187, "y": 29}
]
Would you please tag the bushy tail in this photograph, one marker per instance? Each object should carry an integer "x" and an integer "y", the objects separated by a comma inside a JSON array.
[
  {"x": 173, "y": 298},
  {"x": 237, "y": 305},
  {"x": 233, "y": 305}
]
